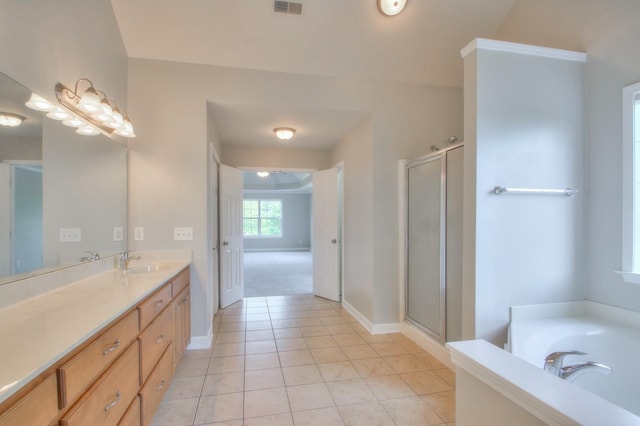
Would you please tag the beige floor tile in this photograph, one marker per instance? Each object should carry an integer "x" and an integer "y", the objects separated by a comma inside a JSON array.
[
  {"x": 429, "y": 361},
  {"x": 309, "y": 397},
  {"x": 328, "y": 355},
  {"x": 388, "y": 387},
  {"x": 232, "y": 326},
  {"x": 233, "y": 318},
  {"x": 184, "y": 387},
  {"x": 258, "y": 317},
  {"x": 333, "y": 319},
  {"x": 318, "y": 330},
  {"x": 309, "y": 322},
  {"x": 352, "y": 391},
  {"x": 260, "y": 361},
  {"x": 424, "y": 382},
  {"x": 349, "y": 339},
  {"x": 219, "y": 408},
  {"x": 375, "y": 338},
  {"x": 263, "y": 379},
  {"x": 341, "y": 370},
  {"x": 301, "y": 375},
  {"x": 258, "y": 325},
  {"x": 443, "y": 403},
  {"x": 261, "y": 347},
  {"x": 230, "y": 337},
  {"x": 215, "y": 384},
  {"x": 266, "y": 402},
  {"x": 226, "y": 364},
  {"x": 372, "y": 367},
  {"x": 287, "y": 333},
  {"x": 229, "y": 423},
  {"x": 284, "y": 323},
  {"x": 315, "y": 342},
  {"x": 257, "y": 310},
  {"x": 258, "y": 335},
  {"x": 410, "y": 346},
  {"x": 197, "y": 354},
  {"x": 411, "y": 411},
  {"x": 291, "y": 358},
  {"x": 192, "y": 368},
  {"x": 318, "y": 417},
  {"x": 359, "y": 352},
  {"x": 404, "y": 363},
  {"x": 282, "y": 315},
  {"x": 448, "y": 375},
  {"x": 228, "y": 349},
  {"x": 275, "y": 420},
  {"x": 388, "y": 349},
  {"x": 367, "y": 414},
  {"x": 295, "y": 344},
  {"x": 176, "y": 412},
  {"x": 334, "y": 329}
]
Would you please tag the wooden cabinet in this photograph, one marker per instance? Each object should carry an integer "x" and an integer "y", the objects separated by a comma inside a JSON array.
[
  {"x": 119, "y": 375},
  {"x": 39, "y": 407}
]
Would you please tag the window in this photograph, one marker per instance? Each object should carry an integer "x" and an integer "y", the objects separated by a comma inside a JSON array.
[
  {"x": 631, "y": 184},
  {"x": 262, "y": 218}
]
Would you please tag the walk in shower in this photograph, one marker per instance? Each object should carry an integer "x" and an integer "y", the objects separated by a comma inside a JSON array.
[{"x": 434, "y": 242}]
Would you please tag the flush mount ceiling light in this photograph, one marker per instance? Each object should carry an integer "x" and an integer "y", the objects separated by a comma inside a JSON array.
[
  {"x": 391, "y": 7},
  {"x": 284, "y": 133},
  {"x": 8, "y": 119},
  {"x": 92, "y": 108},
  {"x": 263, "y": 175}
]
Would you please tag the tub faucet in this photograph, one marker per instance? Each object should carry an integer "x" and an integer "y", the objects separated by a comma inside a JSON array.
[
  {"x": 553, "y": 361},
  {"x": 572, "y": 372},
  {"x": 93, "y": 256}
]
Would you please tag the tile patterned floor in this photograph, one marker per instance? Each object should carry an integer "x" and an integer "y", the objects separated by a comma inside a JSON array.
[{"x": 303, "y": 360}]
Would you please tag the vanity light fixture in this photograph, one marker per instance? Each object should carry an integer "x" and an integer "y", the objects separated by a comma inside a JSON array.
[
  {"x": 94, "y": 109},
  {"x": 263, "y": 175},
  {"x": 284, "y": 133},
  {"x": 391, "y": 7},
  {"x": 8, "y": 119},
  {"x": 39, "y": 103}
]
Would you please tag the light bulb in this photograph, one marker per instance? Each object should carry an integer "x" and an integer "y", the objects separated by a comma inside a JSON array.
[
  {"x": 39, "y": 103},
  {"x": 284, "y": 133},
  {"x": 90, "y": 101},
  {"x": 8, "y": 119},
  {"x": 87, "y": 130},
  {"x": 391, "y": 7},
  {"x": 58, "y": 114},
  {"x": 73, "y": 121}
]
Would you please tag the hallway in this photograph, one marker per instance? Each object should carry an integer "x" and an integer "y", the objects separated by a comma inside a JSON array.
[{"x": 304, "y": 360}]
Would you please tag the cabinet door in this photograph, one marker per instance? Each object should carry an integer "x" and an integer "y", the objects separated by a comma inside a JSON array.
[
  {"x": 39, "y": 407},
  {"x": 178, "y": 338},
  {"x": 153, "y": 390}
]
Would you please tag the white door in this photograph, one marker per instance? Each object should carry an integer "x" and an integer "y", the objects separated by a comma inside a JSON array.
[
  {"x": 231, "y": 239},
  {"x": 326, "y": 235}
]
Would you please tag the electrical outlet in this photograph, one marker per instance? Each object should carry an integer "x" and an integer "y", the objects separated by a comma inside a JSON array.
[
  {"x": 70, "y": 235},
  {"x": 183, "y": 234},
  {"x": 118, "y": 233},
  {"x": 138, "y": 233}
]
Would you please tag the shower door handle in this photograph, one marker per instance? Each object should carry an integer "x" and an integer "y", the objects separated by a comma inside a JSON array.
[{"x": 334, "y": 241}]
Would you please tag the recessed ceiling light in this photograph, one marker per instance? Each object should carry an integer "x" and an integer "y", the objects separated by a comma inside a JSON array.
[
  {"x": 284, "y": 133},
  {"x": 391, "y": 7}
]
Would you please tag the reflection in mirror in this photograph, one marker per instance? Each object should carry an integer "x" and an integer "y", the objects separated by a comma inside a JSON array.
[{"x": 61, "y": 194}]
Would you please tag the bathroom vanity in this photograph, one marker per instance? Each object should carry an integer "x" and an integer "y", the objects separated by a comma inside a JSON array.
[{"x": 99, "y": 351}]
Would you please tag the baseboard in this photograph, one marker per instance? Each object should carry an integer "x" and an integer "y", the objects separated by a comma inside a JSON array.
[
  {"x": 201, "y": 342},
  {"x": 371, "y": 328},
  {"x": 427, "y": 343}
]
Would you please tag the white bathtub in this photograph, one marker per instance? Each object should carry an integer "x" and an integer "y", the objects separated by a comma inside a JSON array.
[{"x": 610, "y": 335}]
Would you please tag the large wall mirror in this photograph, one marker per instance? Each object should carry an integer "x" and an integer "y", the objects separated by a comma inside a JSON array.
[{"x": 61, "y": 194}]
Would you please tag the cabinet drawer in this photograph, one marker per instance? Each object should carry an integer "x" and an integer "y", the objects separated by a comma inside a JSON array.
[
  {"x": 180, "y": 282},
  {"x": 106, "y": 401},
  {"x": 132, "y": 416},
  {"x": 153, "y": 342},
  {"x": 39, "y": 407},
  {"x": 79, "y": 373},
  {"x": 151, "y": 307},
  {"x": 154, "y": 389}
]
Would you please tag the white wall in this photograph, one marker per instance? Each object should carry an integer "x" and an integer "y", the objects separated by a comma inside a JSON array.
[
  {"x": 244, "y": 156},
  {"x": 608, "y": 31},
  {"x": 296, "y": 222},
  {"x": 527, "y": 131}
]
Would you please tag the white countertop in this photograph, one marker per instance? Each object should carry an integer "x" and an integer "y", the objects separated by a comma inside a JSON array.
[{"x": 38, "y": 332}]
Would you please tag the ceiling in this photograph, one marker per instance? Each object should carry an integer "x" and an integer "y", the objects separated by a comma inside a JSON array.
[
  {"x": 279, "y": 181},
  {"x": 339, "y": 38}
]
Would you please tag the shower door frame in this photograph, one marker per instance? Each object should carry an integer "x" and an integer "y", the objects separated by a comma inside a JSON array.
[{"x": 439, "y": 335}]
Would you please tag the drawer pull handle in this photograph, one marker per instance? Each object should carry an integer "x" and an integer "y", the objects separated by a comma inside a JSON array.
[
  {"x": 112, "y": 347},
  {"x": 160, "y": 339},
  {"x": 185, "y": 299},
  {"x": 159, "y": 303},
  {"x": 110, "y": 405},
  {"x": 161, "y": 385}
]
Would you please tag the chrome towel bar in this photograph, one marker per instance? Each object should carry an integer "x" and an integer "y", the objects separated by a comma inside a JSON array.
[{"x": 503, "y": 189}]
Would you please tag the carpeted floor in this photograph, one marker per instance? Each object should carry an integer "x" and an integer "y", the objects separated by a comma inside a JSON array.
[{"x": 278, "y": 273}]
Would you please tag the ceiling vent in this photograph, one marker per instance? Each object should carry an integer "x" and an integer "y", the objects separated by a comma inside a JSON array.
[{"x": 287, "y": 7}]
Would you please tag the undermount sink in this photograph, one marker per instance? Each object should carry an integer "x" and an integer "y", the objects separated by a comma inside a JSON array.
[{"x": 152, "y": 267}]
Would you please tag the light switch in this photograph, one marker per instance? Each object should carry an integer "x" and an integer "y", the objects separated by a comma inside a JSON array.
[
  {"x": 138, "y": 233},
  {"x": 183, "y": 234},
  {"x": 118, "y": 233},
  {"x": 70, "y": 235}
]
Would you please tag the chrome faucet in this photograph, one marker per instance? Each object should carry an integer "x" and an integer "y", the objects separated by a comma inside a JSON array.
[
  {"x": 572, "y": 372},
  {"x": 126, "y": 258},
  {"x": 553, "y": 361},
  {"x": 93, "y": 256}
]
